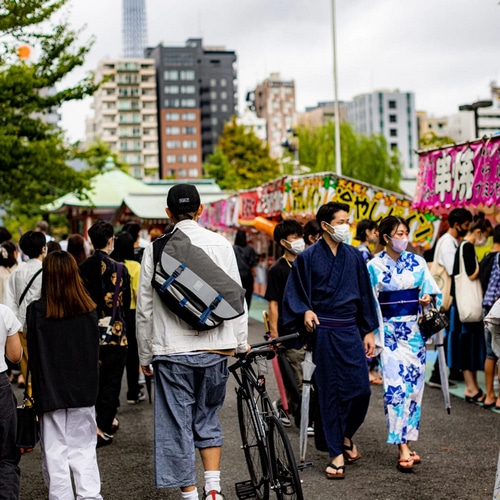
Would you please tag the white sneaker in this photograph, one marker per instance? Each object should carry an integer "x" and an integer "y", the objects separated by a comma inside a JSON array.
[
  {"x": 282, "y": 414},
  {"x": 310, "y": 431},
  {"x": 213, "y": 495}
]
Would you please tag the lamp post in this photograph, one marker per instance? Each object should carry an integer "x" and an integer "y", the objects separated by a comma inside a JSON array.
[
  {"x": 474, "y": 107},
  {"x": 338, "y": 164}
]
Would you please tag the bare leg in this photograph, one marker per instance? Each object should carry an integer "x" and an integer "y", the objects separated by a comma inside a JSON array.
[
  {"x": 489, "y": 375},
  {"x": 211, "y": 457},
  {"x": 471, "y": 387}
]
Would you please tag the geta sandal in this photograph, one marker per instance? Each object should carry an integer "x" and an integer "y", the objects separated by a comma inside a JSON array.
[
  {"x": 347, "y": 457},
  {"x": 405, "y": 464},
  {"x": 415, "y": 457},
  {"x": 337, "y": 475}
]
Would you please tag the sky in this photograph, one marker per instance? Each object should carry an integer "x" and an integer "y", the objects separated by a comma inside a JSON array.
[{"x": 445, "y": 51}]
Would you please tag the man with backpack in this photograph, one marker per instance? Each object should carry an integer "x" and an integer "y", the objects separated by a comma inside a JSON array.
[{"x": 190, "y": 364}]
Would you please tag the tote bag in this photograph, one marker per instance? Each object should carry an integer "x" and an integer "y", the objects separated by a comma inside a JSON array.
[
  {"x": 468, "y": 293},
  {"x": 442, "y": 278}
]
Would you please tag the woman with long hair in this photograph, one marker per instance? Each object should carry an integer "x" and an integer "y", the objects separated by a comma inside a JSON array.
[
  {"x": 401, "y": 282},
  {"x": 63, "y": 342},
  {"x": 76, "y": 247},
  {"x": 8, "y": 262}
]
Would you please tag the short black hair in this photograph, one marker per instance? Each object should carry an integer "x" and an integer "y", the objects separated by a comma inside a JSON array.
[
  {"x": 4, "y": 234},
  {"x": 387, "y": 225},
  {"x": 312, "y": 228},
  {"x": 240, "y": 239},
  {"x": 286, "y": 228},
  {"x": 459, "y": 216},
  {"x": 7, "y": 250},
  {"x": 363, "y": 226},
  {"x": 496, "y": 234},
  {"x": 124, "y": 247},
  {"x": 100, "y": 233},
  {"x": 32, "y": 243},
  {"x": 133, "y": 228},
  {"x": 327, "y": 211}
]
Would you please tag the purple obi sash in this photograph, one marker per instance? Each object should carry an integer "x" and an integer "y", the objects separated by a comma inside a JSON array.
[
  {"x": 399, "y": 302},
  {"x": 330, "y": 321}
]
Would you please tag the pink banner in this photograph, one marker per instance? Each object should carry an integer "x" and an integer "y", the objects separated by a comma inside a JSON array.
[{"x": 466, "y": 175}]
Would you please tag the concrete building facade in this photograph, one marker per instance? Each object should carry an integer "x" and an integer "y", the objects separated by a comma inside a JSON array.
[
  {"x": 274, "y": 100},
  {"x": 125, "y": 114},
  {"x": 197, "y": 95},
  {"x": 321, "y": 114},
  {"x": 391, "y": 114}
]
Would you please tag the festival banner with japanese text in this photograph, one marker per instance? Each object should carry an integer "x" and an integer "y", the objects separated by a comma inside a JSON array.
[{"x": 465, "y": 175}]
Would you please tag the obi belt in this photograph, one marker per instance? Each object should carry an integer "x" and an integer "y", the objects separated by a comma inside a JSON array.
[
  {"x": 329, "y": 321},
  {"x": 399, "y": 302}
]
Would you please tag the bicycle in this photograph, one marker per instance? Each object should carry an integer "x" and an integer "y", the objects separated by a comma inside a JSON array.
[{"x": 268, "y": 452}]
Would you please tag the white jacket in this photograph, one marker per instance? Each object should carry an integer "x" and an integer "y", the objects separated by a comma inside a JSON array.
[{"x": 160, "y": 332}]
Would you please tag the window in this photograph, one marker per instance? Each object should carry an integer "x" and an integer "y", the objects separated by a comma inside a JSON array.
[
  {"x": 137, "y": 173},
  {"x": 171, "y": 103},
  {"x": 170, "y": 172},
  {"x": 193, "y": 172},
  {"x": 213, "y": 95},
  {"x": 189, "y": 144},
  {"x": 172, "y": 131},
  {"x": 223, "y": 82},
  {"x": 189, "y": 117},
  {"x": 173, "y": 144},
  {"x": 171, "y": 89},
  {"x": 213, "y": 108},
  {"x": 172, "y": 117},
  {"x": 148, "y": 105},
  {"x": 171, "y": 74},
  {"x": 181, "y": 172},
  {"x": 187, "y": 74},
  {"x": 214, "y": 120},
  {"x": 393, "y": 118},
  {"x": 150, "y": 160},
  {"x": 392, "y": 104},
  {"x": 215, "y": 63},
  {"x": 189, "y": 130},
  {"x": 110, "y": 105},
  {"x": 192, "y": 158},
  {"x": 146, "y": 78},
  {"x": 149, "y": 145},
  {"x": 393, "y": 132},
  {"x": 393, "y": 146},
  {"x": 147, "y": 92},
  {"x": 213, "y": 82},
  {"x": 170, "y": 158},
  {"x": 182, "y": 159},
  {"x": 188, "y": 89},
  {"x": 188, "y": 103},
  {"x": 223, "y": 108},
  {"x": 223, "y": 95},
  {"x": 110, "y": 91},
  {"x": 147, "y": 118}
]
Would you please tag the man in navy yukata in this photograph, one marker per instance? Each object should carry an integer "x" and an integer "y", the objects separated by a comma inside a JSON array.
[{"x": 329, "y": 293}]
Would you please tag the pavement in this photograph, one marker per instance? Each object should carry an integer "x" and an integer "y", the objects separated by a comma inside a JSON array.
[{"x": 459, "y": 452}]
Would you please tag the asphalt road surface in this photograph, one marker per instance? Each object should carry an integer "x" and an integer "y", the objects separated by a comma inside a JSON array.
[{"x": 459, "y": 455}]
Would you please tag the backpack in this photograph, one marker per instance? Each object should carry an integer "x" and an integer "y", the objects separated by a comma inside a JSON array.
[
  {"x": 493, "y": 290},
  {"x": 192, "y": 285}
]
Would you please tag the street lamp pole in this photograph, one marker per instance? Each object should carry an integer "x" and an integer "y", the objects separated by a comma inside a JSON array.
[
  {"x": 474, "y": 107},
  {"x": 338, "y": 164}
]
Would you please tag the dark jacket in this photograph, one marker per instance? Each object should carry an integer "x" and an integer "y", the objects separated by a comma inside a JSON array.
[{"x": 63, "y": 359}]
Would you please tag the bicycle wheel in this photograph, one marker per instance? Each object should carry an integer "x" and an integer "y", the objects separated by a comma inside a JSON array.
[
  {"x": 286, "y": 475},
  {"x": 253, "y": 447}
]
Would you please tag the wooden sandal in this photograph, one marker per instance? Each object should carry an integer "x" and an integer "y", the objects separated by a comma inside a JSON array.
[
  {"x": 337, "y": 475},
  {"x": 415, "y": 457},
  {"x": 405, "y": 464},
  {"x": 349, "y": 458}
]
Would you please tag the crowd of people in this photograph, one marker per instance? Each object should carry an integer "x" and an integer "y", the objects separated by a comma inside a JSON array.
[{"x": 82, "y": 313}]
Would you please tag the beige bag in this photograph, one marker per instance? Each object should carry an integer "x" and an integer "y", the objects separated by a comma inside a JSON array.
[
  {"x": 443, "y": 280},
  {"x": 468, "y": 294}
]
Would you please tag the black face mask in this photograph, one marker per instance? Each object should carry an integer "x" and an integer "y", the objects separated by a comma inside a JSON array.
[{"x": 461, "y": 231}]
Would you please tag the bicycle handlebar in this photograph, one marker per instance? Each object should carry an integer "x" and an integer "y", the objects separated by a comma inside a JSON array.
[{"x": 277, "y": 340}]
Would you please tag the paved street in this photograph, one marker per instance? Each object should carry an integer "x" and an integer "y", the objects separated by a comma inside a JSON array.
[{"x": 459, "y": 455}]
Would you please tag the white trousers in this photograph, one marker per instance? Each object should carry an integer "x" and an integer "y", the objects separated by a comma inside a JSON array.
[{"x": 68, "y": 439}]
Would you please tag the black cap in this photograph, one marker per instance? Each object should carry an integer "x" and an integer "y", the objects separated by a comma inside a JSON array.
[{"x": 183, "y": 199}]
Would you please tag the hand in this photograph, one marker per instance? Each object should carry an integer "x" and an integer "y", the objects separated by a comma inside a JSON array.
[
  {"x": 147, "y": 370},
  {"x": 273, "y": 334},
  {"x": 425, "y": 300},
  {"x": 369, "y": 343},
  {"x": 310, "y": 321}
]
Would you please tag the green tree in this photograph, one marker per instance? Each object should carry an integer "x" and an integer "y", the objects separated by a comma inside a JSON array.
[
  {"x": 241, "y": 160},
  {"x": 96, "y": 154},
  {"x": 33, "y": 154},
  {"x": 365, "y": 158},
  {"x": 431, "y": 140}
]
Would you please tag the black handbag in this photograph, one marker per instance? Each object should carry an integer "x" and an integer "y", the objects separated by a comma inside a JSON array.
[
  {"x": 28, "y": 425},
  {"x": 431, "y": 320}
]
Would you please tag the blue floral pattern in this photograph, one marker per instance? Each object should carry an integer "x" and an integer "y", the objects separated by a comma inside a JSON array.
[{"x": 403, "y": 350}]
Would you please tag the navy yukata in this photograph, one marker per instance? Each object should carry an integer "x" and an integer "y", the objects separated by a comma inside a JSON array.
[{"x": 337, "y": 289}]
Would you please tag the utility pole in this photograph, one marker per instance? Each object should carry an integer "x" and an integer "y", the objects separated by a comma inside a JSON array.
[{"x": 338, "y": 163}]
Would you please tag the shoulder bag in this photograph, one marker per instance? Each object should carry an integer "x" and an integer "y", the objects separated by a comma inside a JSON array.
[
  {"x": 28, "y": 426},
  {"x": 442, "y": 279},
  {"x": 106, "y": 324},
  {"x": 468, "y": 293}
]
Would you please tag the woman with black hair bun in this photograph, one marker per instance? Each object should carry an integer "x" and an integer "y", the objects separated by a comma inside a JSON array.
[{"x": 8, "y": 262}]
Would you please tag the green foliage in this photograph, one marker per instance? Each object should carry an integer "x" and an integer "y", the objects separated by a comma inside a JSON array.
[
  {"x": 364, "y": 158},
  {"x": 431, "y": 140},
  {"x": 97, "y": 154},
  {"x": 241, "y": 160},
  {"x": 33, "y": 154}
]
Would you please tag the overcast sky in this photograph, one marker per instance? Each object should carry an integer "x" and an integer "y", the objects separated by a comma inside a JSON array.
[{"x": 446, "y": 51}]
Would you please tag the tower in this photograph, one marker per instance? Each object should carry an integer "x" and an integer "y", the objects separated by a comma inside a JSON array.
[{"x": 135, "y": 31}]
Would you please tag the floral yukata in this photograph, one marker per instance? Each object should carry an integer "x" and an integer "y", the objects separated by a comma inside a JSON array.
[{"x": 402, "y": 357}]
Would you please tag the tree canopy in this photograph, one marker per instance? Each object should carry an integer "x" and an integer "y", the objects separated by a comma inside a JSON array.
[
  {"x": 33, "y": 153},
  {"x": 365, "y": 158},
  {"x": 241, "y": 160}
]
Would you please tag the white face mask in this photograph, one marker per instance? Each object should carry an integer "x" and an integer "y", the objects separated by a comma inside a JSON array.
[
  {"x": 399, "y": 245},
  {"x": 297, "y": 246},
  {"x": 480, "y": 242},
  {"x": 340, "y": 233}
]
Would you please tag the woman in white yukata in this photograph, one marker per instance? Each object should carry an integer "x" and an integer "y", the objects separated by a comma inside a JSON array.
[{"x": 402, "y": 282}]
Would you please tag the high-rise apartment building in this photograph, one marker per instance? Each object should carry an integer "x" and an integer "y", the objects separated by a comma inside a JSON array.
[
  {"x": 274, "y": 100},
  {"x": 135, "y": 32},
  {"x": 125, "y": 114},
  {"x": 197, "y": 95},
  {"x": 321, "y": 114},
  {"x": 393, "y": 115}
]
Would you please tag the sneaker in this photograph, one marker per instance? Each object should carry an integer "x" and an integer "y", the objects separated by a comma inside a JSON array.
[
  {"x": 142, "y": 378},
  {"x": 213, "y": 495},
  {"x": 282, "y": 414},
  {"x": 310, "y": 431},
  {"x": 140, "y": 398}
]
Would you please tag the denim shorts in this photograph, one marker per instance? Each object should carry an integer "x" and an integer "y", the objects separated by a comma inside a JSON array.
[{"x": 189, "y": 392}]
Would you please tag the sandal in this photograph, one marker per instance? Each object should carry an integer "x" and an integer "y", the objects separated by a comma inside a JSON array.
[
  {"x": 405, "y": 464},
  {"x": 415, "y": 457},
  {"x": 349, "y": 458},
  {"x": 478, "y": 398},
  {"x": 337, "y": 475}
]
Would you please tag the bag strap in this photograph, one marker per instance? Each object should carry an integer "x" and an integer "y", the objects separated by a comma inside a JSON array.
[
  {"x": 119, "y": 268},
  {"x": 33, "y": 278}
]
